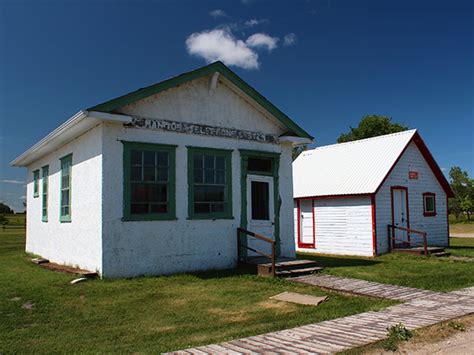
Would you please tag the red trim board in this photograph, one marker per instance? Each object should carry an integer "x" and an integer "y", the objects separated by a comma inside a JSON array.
[{"x": 374, "y": 225}]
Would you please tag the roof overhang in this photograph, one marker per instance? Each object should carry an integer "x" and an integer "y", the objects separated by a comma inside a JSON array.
[{"x": 75, "y": 126}]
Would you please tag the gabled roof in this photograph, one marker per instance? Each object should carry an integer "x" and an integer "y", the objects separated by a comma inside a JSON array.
[
  {"x": 112, "y": 105},
  {"x": 358, "y": 167}
]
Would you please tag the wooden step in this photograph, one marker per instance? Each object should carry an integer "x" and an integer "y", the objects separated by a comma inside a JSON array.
[
  {"x": 299, "y": 272},
  {"x": 441, "y": 254},
  {"x": 287, "y": 266}
]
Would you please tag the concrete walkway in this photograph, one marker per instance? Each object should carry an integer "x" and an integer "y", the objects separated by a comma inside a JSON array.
[{"x": 422, "y": 308}]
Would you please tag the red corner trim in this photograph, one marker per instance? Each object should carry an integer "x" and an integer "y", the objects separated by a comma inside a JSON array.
[{"x": 374, "y": 225}]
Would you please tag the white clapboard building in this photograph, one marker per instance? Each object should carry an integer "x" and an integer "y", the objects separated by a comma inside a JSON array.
[
  {"x": 347, "y": 194},
  {"x": 157, "y": 181}
]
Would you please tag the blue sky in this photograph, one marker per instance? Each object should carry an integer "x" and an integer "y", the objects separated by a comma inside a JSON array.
[{"x": 326, "y": 63}]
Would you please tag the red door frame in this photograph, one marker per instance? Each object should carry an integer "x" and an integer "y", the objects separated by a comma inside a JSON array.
[
  {"x": 397, "y": 187},
  {"x": 300, "y": 243}
]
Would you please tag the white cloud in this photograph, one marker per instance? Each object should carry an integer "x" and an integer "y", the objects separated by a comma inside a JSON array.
[
  {"x": 12, "y": 181},
  {"x": 254, "y": 22},
  {"x": 220, "y": 44},
  {"x": 262, "y": 40},
  {"x": 217, "y": 13},
  {"x": 289, "y": 39}
]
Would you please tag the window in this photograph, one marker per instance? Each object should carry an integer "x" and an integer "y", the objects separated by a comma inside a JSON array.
[
  {"x": 260, "y": 165},
  {"x": 210, "y": 185},
  {"x": 36, "y": 174},
  {"x": 429, "y": 204},
  {"x": 149, "y": 177},
  {"x": 65, "y": 192},
  {"x": 260, "y": 200},
  {"x": 45, "y": 174}
]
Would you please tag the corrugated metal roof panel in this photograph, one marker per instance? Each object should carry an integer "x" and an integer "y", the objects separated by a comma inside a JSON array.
[{"x": 357, "y": 167}]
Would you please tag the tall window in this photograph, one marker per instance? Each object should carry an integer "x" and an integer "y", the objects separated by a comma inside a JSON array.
[
  {"x": 429, "y": 204},
  {"x": 36, "y": 174},
  {"x": 210, "y": 186},
  {"x": 65, "y": 196},
  {"x": 45, "y": 174},
  {"x": 149, "y": 191}
]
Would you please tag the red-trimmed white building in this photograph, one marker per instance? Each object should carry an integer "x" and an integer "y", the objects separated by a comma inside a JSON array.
[{"x": 346, "y": 194}]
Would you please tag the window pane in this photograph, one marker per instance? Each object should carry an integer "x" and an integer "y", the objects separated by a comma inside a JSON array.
[
  {"x": 65, "y": 182},
  {"x": 136, "y": 157},
  {"x": 220, "y": 176},
  {"x": 148, "y": 158},
  {"x": 260, "y": 164},
  {"x": 139, "y": 208},
  {"x": 149, "y": 173},
  {"x": 136, "y": 174},
  {"x": 260, "y": 201},
  {"x": 202, "y": 208},
  {"x": 162, "y": 174},
  {"x": 64, "y": 197},
  {"x": 219, "y": 207},
  {"x": 158, "y": 208},
  {"x": 206, "y": 193},
  {"x": 149, "y": 192},
  {"x": 198, "y": 161},
  {"x": 209, "y": 176},
  {"x": 429, "y": 203},
  {"x": 162, "y": 158},
  {"x": 220, "y": 162},
  {"x": 209, "y": 162},
  {"x": 198, "y": 176}
]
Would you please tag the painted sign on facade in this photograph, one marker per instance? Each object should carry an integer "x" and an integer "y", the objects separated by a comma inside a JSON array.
[
  {"x": 200, "y": 129},
  {"x": 413, "y": 175}
]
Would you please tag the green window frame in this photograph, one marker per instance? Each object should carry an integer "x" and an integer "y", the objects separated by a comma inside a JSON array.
[
  {"x": 36, "y": 174},
  {"x": 209, "y": 172},
  {"x": 65, "y": 189},
  {"x": 149, "y": 191},
  {"x": 44, "y": 193}
]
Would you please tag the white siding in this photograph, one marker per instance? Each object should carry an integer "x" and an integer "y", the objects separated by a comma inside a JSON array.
[
  {"x": 343, "y": 226},
  {"x": 77, "y": 243},
  {"x": 436, "y": 226}
]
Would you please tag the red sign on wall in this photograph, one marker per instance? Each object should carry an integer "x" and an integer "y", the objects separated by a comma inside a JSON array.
[{"x": 413, "y": 175}]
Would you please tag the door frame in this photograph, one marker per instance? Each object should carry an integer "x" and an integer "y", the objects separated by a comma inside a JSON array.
[
  {"x": 300, "y": 243},
  {"x": 399, "y": 187},
  {"x": 275, "y": 158},
  {"x": 271, "y": 198}
]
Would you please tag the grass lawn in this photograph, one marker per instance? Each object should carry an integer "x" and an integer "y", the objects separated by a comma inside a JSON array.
[
  {"x": 438, "y": 274},
  {"x": 41, "y": 312}
]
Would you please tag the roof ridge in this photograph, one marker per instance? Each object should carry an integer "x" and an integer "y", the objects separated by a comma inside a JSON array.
[{"x": 412, "y": 131}]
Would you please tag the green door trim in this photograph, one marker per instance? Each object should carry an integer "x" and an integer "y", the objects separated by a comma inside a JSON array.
[{"x": 275, "y": 157}]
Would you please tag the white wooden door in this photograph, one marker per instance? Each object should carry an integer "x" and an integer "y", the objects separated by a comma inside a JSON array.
[
  {"x": 260, "y": 211},
  {"x": 400, "y": 214},
  {"x": 306, "y": 230}
]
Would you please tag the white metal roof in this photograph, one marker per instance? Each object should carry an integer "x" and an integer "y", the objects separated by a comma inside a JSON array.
[{"x": 357, "y": 167}]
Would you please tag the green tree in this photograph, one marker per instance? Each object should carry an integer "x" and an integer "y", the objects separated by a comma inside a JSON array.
[
  {"x": 4, "y": 209},
  {"x": 371, "y": 126},
  {"x": 463, "y": 187}
]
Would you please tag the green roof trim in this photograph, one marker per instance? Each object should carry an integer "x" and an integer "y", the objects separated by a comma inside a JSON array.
[{"x": 139, "y": 94}]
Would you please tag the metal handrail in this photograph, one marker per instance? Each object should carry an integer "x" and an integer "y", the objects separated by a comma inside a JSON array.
[
  {"x": 391, "y": 235},
  {"x": 271, "y": 256}
]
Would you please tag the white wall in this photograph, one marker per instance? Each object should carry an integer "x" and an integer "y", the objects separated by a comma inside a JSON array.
[
  {"x": 343, "y": 226},
  {"x": 436, "y": 226},
  {"x": 77, "y": 243},
  {"x": 162, "y": 247}
]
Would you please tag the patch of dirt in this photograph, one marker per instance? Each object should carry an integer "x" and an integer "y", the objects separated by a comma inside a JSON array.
[
  {"x": 15, "y": 299},
  {"x": 461, "y": 258},
  {"x": 441, "y": 339},
  {"x": 282, "y": 307},
  {"x": 28, "y": 305},
  {"x": 229, "y": 316}
]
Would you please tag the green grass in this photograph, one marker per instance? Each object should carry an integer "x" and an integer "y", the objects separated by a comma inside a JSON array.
[
  {"x": 152, "y": 314},
  {"x": 438, "y": 274}
]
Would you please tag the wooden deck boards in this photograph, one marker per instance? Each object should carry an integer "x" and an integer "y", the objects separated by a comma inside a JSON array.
[{"x": 421, "y": 308}]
